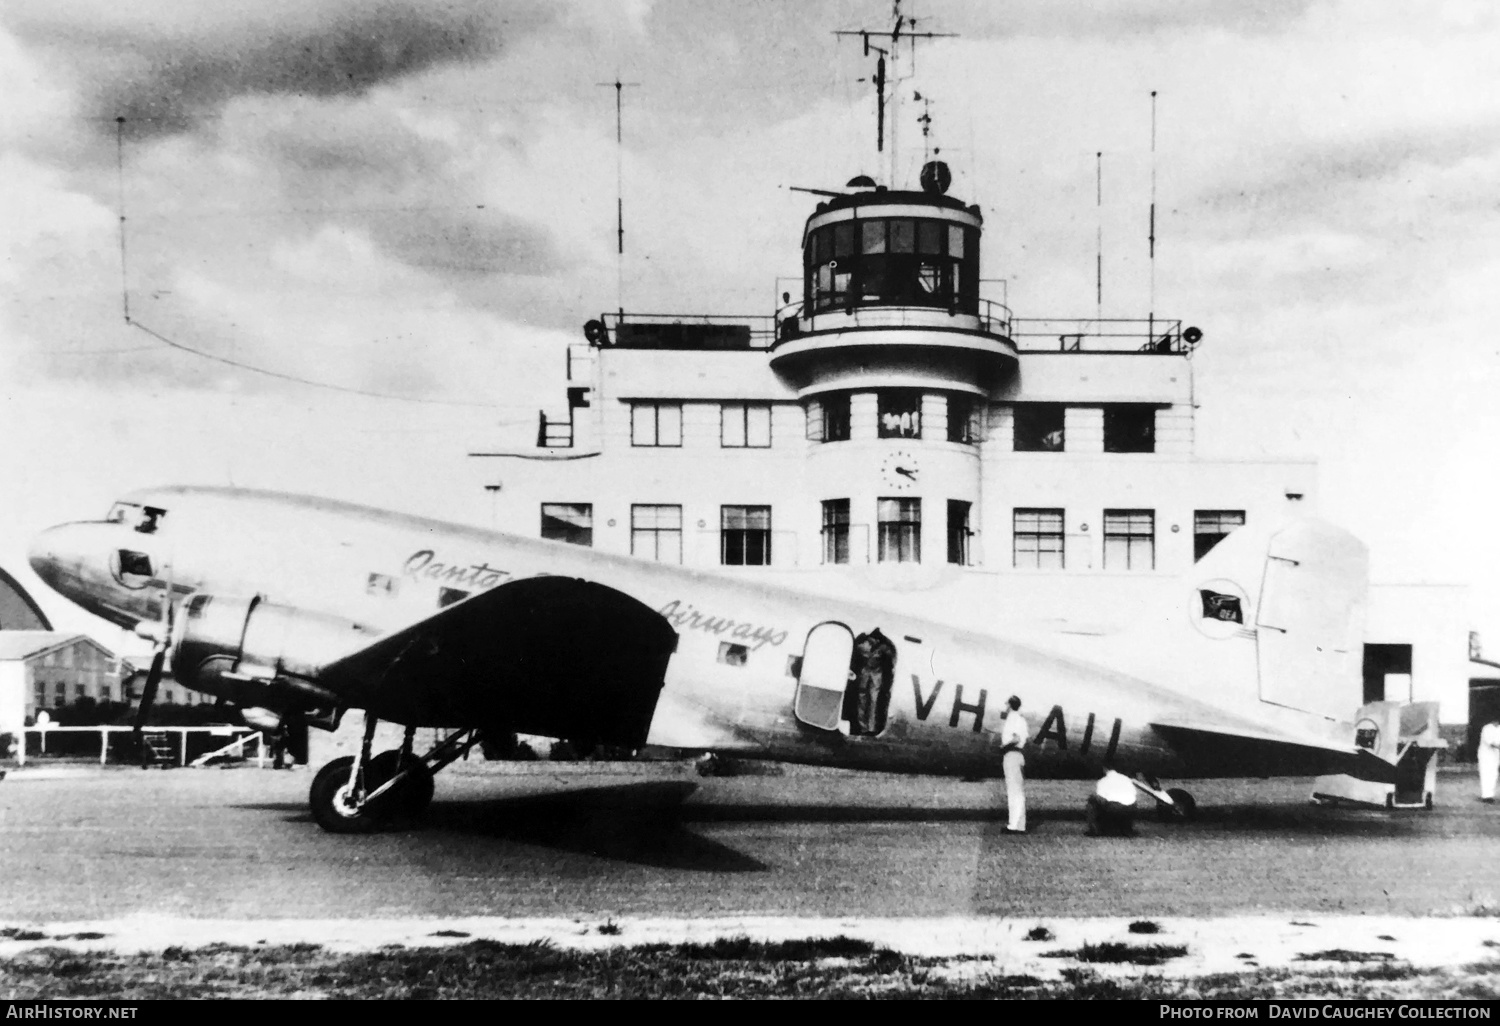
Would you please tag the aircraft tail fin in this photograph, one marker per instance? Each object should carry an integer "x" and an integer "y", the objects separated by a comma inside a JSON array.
[{"x": 1270, "y": 617}]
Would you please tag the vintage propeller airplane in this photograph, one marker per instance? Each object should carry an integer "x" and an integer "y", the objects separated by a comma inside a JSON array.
[{"x": 289, "y": 605}]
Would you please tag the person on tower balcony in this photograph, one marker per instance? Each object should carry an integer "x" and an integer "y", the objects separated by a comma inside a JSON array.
[{"x": 1013, "y": 737}]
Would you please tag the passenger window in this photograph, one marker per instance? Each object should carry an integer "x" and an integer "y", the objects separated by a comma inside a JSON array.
[{"x": 731, "y": 654}]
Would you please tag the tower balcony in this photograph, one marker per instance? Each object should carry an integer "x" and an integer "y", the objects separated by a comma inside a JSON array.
[{"x": 895, "y": 346}]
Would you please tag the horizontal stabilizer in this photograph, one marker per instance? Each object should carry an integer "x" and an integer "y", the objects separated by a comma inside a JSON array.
[{"x": 1220, "y": 750}]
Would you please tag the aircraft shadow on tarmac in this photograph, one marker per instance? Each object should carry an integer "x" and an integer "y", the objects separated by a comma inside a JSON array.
[
  {"x": 1288, "y": 819},
  {"x": 636, "y": 823}
]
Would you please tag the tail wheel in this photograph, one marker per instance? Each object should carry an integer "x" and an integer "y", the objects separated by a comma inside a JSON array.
[
  {"x": 332, "y": 808},
  {"x": 409, "y": 798},
  {"x": 1183, "y": 807}
]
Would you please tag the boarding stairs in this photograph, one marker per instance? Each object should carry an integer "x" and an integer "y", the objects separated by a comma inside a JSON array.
[
  {"x": 1404, "y": 737},
  {"x": 156, "y": 750}
]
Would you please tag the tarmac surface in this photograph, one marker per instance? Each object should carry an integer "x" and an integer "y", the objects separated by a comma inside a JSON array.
[{"x": 572, "y": 841}]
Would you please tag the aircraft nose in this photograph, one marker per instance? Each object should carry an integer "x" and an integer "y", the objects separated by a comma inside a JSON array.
[{"x": 60, "y": 555}]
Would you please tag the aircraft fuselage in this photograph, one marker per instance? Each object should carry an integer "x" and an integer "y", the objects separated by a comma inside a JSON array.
[{"x": 730, "y": 686}]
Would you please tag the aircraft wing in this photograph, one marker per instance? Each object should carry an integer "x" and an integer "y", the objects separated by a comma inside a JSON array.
[
  {"x": 551, "y": 655},
  {"x": 1220, "y": 751}
]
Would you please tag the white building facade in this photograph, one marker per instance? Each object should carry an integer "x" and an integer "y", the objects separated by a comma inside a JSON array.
[{"x": 895, "y": 435}]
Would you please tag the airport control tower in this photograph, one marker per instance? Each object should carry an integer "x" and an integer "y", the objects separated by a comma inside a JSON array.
[{"x": 897, "y": 431}]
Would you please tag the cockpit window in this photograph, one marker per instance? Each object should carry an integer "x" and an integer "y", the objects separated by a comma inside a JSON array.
[
  {"x": 144, "y": 519},
  {"x": 135, "y": 564}
]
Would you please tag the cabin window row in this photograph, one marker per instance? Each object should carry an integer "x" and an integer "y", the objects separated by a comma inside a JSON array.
[{"x": 902, "y": 261}]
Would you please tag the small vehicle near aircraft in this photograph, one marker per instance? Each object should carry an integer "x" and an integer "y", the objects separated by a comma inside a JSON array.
[{"x": 288, "y": 605}]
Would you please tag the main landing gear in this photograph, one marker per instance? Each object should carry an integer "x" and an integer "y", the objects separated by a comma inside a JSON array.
[
  {"x": 1173, "y": 804},
  {"x": 359, "y": 794}
]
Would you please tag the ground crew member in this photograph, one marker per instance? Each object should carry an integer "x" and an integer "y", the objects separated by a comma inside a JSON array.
[
  {"x": 1489, "y": 759},
  {"x": 1013, "y": 737},
  {"x": 1110, "y": 810}
]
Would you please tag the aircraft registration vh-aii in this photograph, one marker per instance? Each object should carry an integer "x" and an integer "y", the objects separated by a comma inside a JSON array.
[{"x": 290, "y": 605}]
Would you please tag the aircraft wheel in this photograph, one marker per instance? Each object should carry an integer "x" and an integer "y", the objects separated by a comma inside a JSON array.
[
  {"x": 411, "y": 797},
  {"x": 328, "y": 798},
  {"x": 1183, "y": 807},
  {"x": 1427, "y": 802}
]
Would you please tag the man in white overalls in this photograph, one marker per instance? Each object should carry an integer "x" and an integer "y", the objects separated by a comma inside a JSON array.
[
  {"x": 1489, "y": 759},
  {"x": 1013, "y": 737}
]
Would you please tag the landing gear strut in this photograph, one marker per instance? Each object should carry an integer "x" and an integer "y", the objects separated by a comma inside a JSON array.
[
  {"x": 359, "y": 794},
  {"x": 1173, "y": 804}
]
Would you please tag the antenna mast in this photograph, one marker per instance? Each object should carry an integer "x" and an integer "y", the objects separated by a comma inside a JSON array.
[
  {"x": 619, "y": 88},
  {"x": 1151, "y": 230},
  {"x": 902, "y": 27},
  {"x": 120, "y": 180},
  {"x": 1099, "y": 239}
]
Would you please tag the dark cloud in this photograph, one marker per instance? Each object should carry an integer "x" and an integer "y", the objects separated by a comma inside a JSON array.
[
  {"x": 163, "y": 82},
  {"x": 465, "y": 243},
  {"x": 1327, "y": 182},
  {"x": 1088, "y": 18}
]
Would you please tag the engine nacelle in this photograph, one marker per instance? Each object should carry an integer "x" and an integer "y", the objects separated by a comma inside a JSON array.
[{"x": 238, "y": 648}]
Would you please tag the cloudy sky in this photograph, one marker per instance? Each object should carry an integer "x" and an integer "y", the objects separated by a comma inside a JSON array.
[{"x": 412, "y": 204}]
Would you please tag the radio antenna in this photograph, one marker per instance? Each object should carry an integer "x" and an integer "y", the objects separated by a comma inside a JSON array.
[
  {"x": 1151, "y": 232},
  {"x": 619, "y": 88},
  {"x": 1099, "y": 239},
  {"x": 120, "y": 182},
  {"x": 902, "y": 28}
]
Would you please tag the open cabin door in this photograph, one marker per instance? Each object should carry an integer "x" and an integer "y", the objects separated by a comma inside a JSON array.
[{"x": 825, "y": 674}]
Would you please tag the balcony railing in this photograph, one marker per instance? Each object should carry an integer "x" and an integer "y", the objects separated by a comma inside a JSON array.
[
  {"x": 682, "y": 331},
  {"x": 710, "y": 332},
  {"x": 1119, "y": 335},
  {"x": 994, "y": 318}
]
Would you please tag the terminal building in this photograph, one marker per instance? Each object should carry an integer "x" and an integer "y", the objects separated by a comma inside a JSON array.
[{"x": 896, "y": 434}]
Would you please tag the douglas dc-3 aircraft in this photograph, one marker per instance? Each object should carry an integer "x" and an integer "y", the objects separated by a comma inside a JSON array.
[{"x": 295, "y": 606}]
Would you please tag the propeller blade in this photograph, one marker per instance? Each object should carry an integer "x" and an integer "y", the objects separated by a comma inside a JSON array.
[{"x": 148, "y": 693}]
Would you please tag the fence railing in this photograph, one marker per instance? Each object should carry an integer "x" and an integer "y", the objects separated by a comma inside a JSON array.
[{"x": 239, "y": 736}]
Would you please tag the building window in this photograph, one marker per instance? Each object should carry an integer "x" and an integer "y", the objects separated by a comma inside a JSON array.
[
  {"x": 963, "y": 419},
  {"x": 571, "y": 522},
  {"x": 61, "y": 691},
  {"x": 1037, "y": 539},
  {"x": 656, "y": 424},
  {"x": 1039, "y": 427},
  {"x": 1211, "y": 525},
  {"x": 900, "y": 530},
  {"x": 836, "y": 530},
  {"x": 656, "y": 533},
  {"x": 745, "y": 426},
  {"x": 1129, "y": 539},
  {"x": 900, "y": 414},
  {"x": 745, "y": 535},
  {"x": 958, "y": 532},
  {"x": 41, "y": 695},
  {"x": 828, "y": 418},
  {"x": 1130, "y": 427}
]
